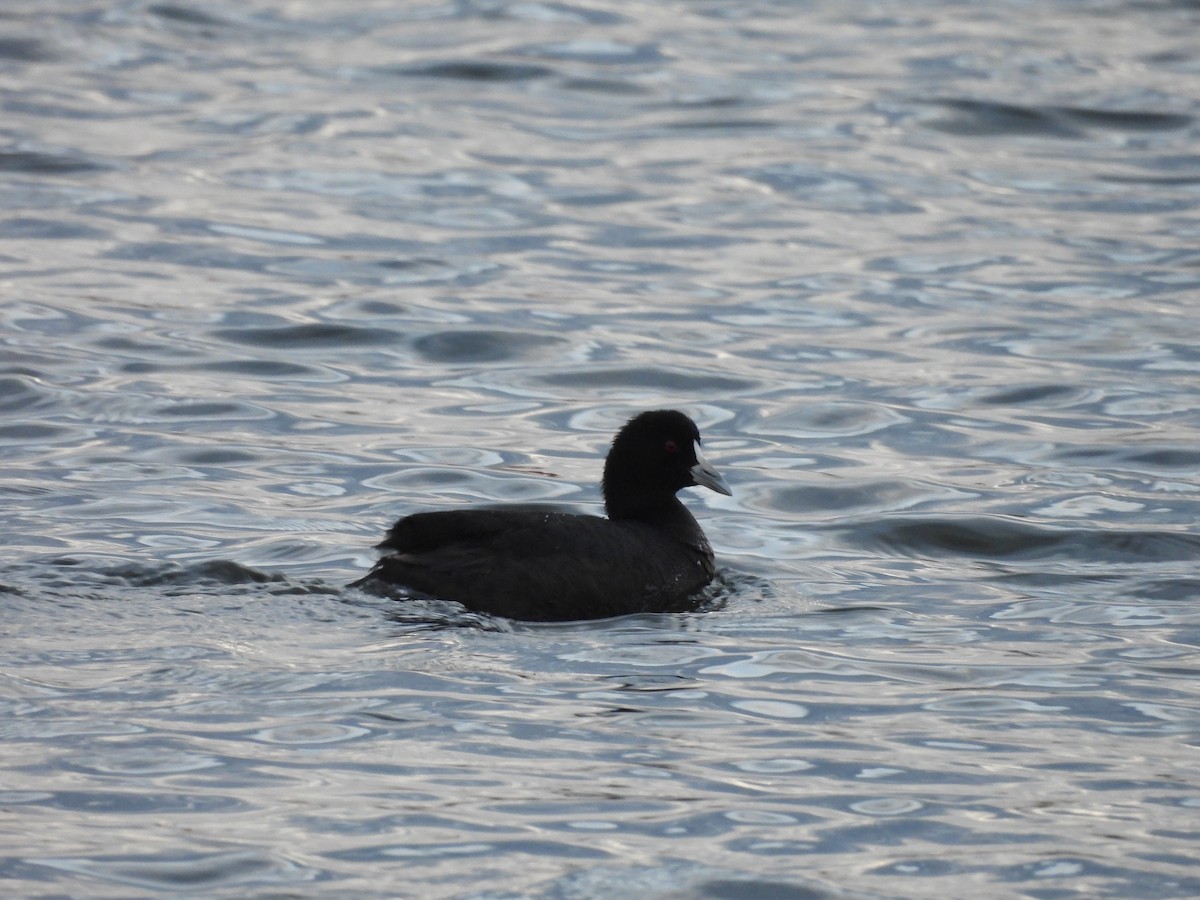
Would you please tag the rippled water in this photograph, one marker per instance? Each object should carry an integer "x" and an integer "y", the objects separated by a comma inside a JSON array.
[{"x": 925, "y": 273}]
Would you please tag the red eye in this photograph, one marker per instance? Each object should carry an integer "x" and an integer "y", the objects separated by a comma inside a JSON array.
[{"x": 671, "y": 447}]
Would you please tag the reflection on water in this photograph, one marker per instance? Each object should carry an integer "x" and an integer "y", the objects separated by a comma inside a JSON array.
[{"x": 923, "y": 274}]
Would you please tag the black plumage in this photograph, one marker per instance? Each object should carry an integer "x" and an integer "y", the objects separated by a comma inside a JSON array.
[{"x": 649, "y": 555}]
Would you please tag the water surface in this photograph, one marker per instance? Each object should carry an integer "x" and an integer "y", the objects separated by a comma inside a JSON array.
[{"x": 924, "y": 273}]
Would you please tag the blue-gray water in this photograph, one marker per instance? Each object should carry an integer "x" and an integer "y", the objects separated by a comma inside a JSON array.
[{"x": 926, "y": 273}]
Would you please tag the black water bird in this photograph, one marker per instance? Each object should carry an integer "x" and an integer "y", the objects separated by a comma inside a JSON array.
[{"x": 536, "y": 564}]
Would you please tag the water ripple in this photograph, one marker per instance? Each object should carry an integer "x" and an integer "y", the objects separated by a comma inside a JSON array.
[
  {"x": 981, "y": 118},
  {"x": 212, "y": 871}
]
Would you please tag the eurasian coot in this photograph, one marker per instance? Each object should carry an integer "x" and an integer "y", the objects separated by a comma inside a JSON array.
[{"x": 649, "y": 555}]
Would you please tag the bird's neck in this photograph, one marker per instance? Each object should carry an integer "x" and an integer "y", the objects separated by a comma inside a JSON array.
[{"x": 662, "y": 510}]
